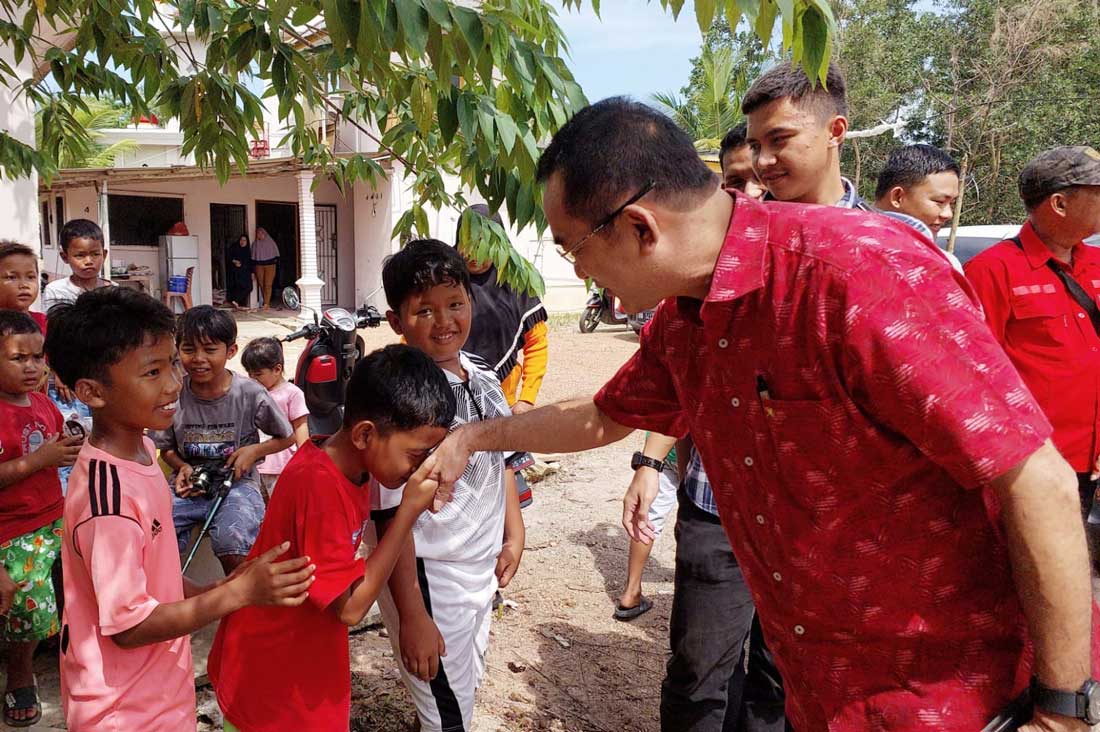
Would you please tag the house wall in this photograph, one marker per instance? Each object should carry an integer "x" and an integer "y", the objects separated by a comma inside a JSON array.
[
  {"x": 197, "y": 196},
  {"x": 19, "y": 211}
]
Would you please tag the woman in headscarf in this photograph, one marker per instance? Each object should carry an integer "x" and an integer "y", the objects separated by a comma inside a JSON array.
[
  {"x": 506, "y": 325},
  {"x": 265, "y": 258},
  {"x": 238, "y": 272}
]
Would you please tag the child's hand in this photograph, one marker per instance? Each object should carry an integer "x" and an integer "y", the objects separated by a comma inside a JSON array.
[
  {"x": 242, "y": 460},
  {"x": 8, "y": 589},
  {"x": 60, "y": 451},
  {"x": 421, "y": 646},
  {"x": 263, "y": 581},
  {"x": 421, "y": 488},
  {"x": 508, "y": 562},
  {"x": 183, "y": 481},
  {"x": 64, "y": 393}
]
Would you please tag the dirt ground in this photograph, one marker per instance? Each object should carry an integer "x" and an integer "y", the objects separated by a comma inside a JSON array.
[{"x": 557, "y": 661}]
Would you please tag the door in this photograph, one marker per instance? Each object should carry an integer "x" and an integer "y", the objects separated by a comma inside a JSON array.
[
  {"x": 280, "y": 220},
  {"x": 326, "y": 251},
  {"x": 227, "y": 225}
]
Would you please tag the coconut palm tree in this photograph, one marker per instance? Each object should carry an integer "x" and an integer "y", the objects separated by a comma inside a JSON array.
[{"x": 77, "y": 145}]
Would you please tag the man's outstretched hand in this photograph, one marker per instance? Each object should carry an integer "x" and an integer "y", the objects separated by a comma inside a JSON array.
[{"x": 451, "y": 457}]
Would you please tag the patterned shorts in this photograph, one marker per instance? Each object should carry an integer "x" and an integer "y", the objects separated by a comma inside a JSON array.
[
  {"x": 29, "y": 560},
  {"x": 235, "y": 526}
]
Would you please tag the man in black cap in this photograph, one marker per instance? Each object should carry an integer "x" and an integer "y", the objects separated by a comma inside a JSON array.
[{"x": 1040, "y": 291}]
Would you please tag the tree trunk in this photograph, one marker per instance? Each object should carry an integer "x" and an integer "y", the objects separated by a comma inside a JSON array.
[
  {"x": 959, "y": 202},
  {"x": 859, "y": 164}
]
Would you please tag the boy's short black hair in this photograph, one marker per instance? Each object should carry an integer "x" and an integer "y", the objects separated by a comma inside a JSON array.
[
  {"x": 735, "y": 139},
  {"x": 9, "y": 248},
  {"x": 422, "y": 264},
  {"x": 399, "y": 388},
  {"x": 788, "y": 81},
  {"x": 907, "y": 166},
  {"x": 610, "y": 150},
  {"x": 262, "y": 353},
  {"x": 79, "y": 229},
  {"x": 88, "y": 336},
  {"x": 17, "y": 322},
  {"x": 205, "y": 323}
]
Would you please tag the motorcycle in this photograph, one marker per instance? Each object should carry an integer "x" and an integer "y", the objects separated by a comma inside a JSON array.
[
  {"x": 602, "y": 307},
  {"x": 326, "y": 363}
]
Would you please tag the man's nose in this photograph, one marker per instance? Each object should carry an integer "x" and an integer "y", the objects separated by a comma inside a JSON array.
[{"x": 577, "y": 270}]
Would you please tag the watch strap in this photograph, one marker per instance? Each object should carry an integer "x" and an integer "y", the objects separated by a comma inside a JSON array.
[
  {"x": 1066, "y": 703},
  {"x": 644, "y": 461}
]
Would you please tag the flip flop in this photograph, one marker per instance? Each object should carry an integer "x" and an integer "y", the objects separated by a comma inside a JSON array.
[
  {"x": 19, "y": 700},
  {"x": 629, "y": 613}
]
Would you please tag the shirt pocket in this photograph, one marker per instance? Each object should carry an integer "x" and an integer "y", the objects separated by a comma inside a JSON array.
[{"x": 1041, "y": 322}]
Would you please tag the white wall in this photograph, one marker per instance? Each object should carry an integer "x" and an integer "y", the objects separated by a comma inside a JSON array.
[
  {"x": 19, "y": 211},
  {"x": 373, "y": 225}
]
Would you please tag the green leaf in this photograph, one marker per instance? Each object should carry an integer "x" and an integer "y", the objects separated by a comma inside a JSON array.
[
  {"x": 469, "y": 25},
  {"x": 467, "y": 119},
  {"x": 334, "y": 24},
  {"x": 506, "y": 127},
  {"x": 303, "y": 14},
  {"x": 704, "y": 14},
  {"x": 447, "y": 115},
  {"x": 766, "y": 18},
  {"x": 440, "y": 13},
  {"x": 816, "y": 47},
  {"x": 414, "y": 22}
]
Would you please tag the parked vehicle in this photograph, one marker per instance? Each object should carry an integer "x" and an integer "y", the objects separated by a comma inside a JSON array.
[
  {"x": 972, "y": 240},
  {"x": 602, "y": 307},
  {"x": 325, "y": 365},
  {"x": 637, "y": 321}
]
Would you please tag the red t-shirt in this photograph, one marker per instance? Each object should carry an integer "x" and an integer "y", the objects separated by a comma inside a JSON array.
[
  {"x": 39, "y": 318},
  {"x": 277, "y": 669},
  {"x": 35, "y": 501}
]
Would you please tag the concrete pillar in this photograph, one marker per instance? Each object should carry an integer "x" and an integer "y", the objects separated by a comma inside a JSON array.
[
  {"x": 19, "y": 211},
  {"x": 309, "y": 284},
  {"x": 373, "y": 212}
]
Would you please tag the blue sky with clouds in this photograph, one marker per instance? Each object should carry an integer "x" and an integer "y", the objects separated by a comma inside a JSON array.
[{"x": 633, "y": 48}]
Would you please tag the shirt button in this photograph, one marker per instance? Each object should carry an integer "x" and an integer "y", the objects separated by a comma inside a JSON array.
[
  {"x": 722, "y": 343},
  {"x": 777, "y": 577},
  {"x": 760, "y": 519},
  {"x": 1080, "y": 315},
  {"x": 748, "y": 461},
  {"x": 799, "y": 630},
  {"x": 737, "y": 402}
]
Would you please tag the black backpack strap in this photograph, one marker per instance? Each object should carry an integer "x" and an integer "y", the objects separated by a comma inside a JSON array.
[{"x": 1075, "y": 290}]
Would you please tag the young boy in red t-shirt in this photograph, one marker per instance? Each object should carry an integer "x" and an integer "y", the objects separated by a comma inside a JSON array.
[
  {"x": 278, "y": 670},
  {"x": 125, "y": 646},
  {"x": 32, "y": 448}
]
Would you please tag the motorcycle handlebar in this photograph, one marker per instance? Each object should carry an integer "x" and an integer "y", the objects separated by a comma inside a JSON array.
[{"x": 300, "y": 333}]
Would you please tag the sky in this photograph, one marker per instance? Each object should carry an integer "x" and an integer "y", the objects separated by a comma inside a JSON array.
[{"x": 633, "y": 48}]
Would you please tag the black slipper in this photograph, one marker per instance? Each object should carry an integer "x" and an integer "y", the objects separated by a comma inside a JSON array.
[
  {"x": 19, "y": 700},
  {"x": 629, "y": 613}
]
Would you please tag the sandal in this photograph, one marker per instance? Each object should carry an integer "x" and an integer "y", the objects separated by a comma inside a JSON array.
[
  {"x": 19, "y": 700},
  {"x": 629, "y": 613}
]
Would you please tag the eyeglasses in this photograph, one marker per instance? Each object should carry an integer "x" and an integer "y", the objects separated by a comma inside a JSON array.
[{"x": 570, "y": 254}]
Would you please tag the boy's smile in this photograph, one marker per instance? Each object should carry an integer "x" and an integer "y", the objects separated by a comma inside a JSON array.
[
  {"x": 205, "y": 362},
  {"x": 142, "y": 390},
  {"x": 437, "y": 321}
]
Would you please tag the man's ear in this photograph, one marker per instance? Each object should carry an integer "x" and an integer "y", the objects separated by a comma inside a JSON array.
[
  {"x": 231, "y": 351},
  {"x": 896, "y": 196},
  {"x": 838, "y": 128},
  {"x": 362, "y": 432},
  {"x": 1059, "y": 203},
  {"x": 643, "y": 224},
  {"x": 91, "y": 392},
  {"x": 394, "y": 321}
]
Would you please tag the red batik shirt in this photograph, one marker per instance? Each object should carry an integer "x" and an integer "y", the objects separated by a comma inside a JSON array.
[
  {"x": 849, "y": 405},
  {"x": 1047, "y": 334}
]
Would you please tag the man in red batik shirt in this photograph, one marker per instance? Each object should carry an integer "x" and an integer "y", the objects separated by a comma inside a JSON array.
[{"x": 909, "y": 533}]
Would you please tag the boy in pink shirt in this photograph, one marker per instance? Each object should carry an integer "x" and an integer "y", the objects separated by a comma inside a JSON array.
[
  {"x": 263, "y": 360},
  {"x": 125, "y": 650}
]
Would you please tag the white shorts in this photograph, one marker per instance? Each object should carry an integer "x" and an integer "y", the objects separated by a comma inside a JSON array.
[
  {"x": 665, "y": 500},
  {"x": 446, "y": 704}
]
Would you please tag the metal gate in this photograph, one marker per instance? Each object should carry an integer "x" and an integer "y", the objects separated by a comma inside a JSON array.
[{"x": 325, "y": 215}]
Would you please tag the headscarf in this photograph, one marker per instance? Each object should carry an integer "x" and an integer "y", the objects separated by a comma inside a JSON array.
[
  {"x": 264, "y": 248},
  {"x": 502, "y": 316}
]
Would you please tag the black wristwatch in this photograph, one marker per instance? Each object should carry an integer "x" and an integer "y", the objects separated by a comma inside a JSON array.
[
  {"x": 1083, "y": 704},
  {"x": 642, "y": 461}
]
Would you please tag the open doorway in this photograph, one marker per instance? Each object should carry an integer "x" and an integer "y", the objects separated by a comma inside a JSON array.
[
  {"x": 280, "y": 220},
  {"x": 228, "y": 223}
]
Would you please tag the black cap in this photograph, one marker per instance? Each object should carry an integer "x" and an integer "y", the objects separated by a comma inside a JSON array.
[{"x": 1057, "y": 169}]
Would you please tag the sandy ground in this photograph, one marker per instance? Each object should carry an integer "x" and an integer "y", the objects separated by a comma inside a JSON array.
[{"x": 558, "y": 661}]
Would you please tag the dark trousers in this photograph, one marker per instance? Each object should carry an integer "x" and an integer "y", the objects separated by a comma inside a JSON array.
[
  {"x": 706, "y": 686},
  {"x": 1086, "y": 486}
]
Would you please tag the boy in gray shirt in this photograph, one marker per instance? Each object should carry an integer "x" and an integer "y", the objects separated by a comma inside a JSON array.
[{"x": 217, "y": 422}]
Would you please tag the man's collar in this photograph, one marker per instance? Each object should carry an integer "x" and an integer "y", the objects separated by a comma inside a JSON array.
[
  {"x": 1038, "y": 253},
  {"x": 739, "y": 268},
  {"x": 850, "y": 199}
]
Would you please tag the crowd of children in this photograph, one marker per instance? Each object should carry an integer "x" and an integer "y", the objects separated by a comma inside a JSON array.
[{"x": 115, "y": 387}]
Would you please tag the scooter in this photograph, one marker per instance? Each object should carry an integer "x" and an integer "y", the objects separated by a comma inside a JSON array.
[
  {"x": 326, "y": 363},
  {"x": 602, "y": 307}
]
